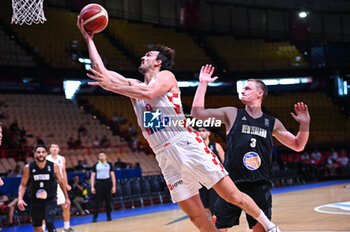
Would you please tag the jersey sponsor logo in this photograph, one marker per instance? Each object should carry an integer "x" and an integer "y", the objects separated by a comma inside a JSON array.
[
  {"x": 267, "y": 122},
  {"x": 175, "y": 185},
  {"x": 244, "y": 118},
  {"x": 41, "y": 177},
  {"x": 152, "y": 119},
  {"x": 33, "y": 170},
  {"x": 254, "y": 130},
  {"x": 41, "y": 194},
  {"x": 251, "y": 160},
  {"x": 49, "y": 168}
]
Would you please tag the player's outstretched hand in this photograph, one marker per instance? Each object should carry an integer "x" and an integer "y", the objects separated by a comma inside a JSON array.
[
  {"x": 301, "y": 113},
  {"x": 80, "y": 25},
  {"x": 1, "y": 182},
  {"x": 67, "y": 203},
  {"x": 113, "y": 190},
  {"x": 102, "y": 78},
  {"x": 206, "y": 73},
  {"x": 21, "y": 204}
]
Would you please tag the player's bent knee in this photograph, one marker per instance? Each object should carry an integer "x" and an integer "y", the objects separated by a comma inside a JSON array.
[
  {"x": 234, "y": 197},
  {"x": 198, "y": 220}
]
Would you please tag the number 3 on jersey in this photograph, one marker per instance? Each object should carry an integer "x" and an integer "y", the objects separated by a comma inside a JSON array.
[{"x": 253, "y": 142}]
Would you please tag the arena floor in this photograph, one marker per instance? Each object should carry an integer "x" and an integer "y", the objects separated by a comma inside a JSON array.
[{"x": 313, "y": 207}]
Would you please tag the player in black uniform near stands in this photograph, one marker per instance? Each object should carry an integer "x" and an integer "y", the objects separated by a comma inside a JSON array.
[
  {"x": 209, "y": 196},
  {"x": 42, "y": 176},
  {"x": 248, "y": 157}
]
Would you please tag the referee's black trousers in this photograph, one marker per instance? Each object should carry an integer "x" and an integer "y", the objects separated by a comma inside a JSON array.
[{"x": 103, "y": 193}]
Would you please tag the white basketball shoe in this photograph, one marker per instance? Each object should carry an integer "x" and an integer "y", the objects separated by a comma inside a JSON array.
[{"x": 274, "y": 229}]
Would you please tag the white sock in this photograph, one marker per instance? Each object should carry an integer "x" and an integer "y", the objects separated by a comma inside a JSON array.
[
  {"x": 43, "y": 226},
  {"x": 66, "y": 225},
  {"x": 264, "y": 221}
]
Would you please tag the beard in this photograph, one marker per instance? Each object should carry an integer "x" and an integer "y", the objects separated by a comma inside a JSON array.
[{"x": 40, "y": 159}]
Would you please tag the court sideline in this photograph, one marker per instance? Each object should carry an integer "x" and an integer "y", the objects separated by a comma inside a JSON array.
[{"x": 293, "y": 210}]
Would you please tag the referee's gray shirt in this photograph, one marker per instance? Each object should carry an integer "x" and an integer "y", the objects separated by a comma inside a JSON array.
[{"x": 102, "y": 170}]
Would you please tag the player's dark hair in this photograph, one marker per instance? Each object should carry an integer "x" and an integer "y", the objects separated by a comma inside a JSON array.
[
  {"x": 261, "y": 85},
  {"x": 102, "y": 152},
  {"x": 54, "y": 143},
  {"x": 166, "y": 55},
  {"x": 38, "y": 146}
]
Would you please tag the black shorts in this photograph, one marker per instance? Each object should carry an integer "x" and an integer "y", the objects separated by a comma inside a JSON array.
[
  {"x": 41, "y": 210},
  {"x": 227, "y": 215},
  {"x": 208, "y": 198}
]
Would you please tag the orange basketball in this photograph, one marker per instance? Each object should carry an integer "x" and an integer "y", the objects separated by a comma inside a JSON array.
[{"x": 95, "y": 18}]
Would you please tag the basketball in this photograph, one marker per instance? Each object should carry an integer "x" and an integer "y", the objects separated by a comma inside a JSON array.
[{"x": 95, "y": 18}]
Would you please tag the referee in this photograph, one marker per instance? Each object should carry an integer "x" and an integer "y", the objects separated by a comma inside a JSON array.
[{"x": 104, "y": 186}]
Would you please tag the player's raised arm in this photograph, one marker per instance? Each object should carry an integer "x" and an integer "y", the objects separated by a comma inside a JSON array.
[
  {"x": 116, "y": 78},
  {"x": 299, "y": 141},
  {"x": 93, "y": 53},
  {"x": 165, "y": 81},
  {"x": 95, "y": 57},
  {"x": 198, "y": 110}
]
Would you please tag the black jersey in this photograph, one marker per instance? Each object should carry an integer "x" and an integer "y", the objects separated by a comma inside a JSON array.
[
  {"x": 249, "y": 148},
  {"x": 42, "y": 181},
  {"x": 212, "y": 146}
]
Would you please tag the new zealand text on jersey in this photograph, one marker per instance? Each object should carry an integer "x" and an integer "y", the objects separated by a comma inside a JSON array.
[
  {"x": 254, "y": 130},
  {"x": 41, "y": 177}
]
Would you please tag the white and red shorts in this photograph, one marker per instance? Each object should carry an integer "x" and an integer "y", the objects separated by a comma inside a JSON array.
[
  {"x": 61, "y": 199},
  {"x": 185, "y": 162}
]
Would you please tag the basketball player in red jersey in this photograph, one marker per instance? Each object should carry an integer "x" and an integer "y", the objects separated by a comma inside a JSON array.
[{"x": 184, "y": 158}]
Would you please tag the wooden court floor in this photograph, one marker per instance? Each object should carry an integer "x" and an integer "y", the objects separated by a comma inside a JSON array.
[{"x": 292, "y": 211}]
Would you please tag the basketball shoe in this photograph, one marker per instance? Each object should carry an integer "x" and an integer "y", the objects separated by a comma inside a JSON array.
[
  {"x": 274, "y": 229},
  {"x": 70, "y": 229}
]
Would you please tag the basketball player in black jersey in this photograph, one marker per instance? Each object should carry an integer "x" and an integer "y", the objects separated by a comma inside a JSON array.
[
  {"x": 42, "y": 176},
  {"x": 209, "y": 196},
  {"x": 248, "y": 157}
]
